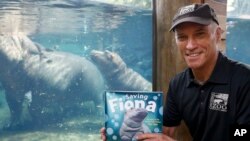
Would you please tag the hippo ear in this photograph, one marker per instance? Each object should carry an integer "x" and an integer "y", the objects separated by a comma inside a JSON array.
[{"x": 109, "y": 54}]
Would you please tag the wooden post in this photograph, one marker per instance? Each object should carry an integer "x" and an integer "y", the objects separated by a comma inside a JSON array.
[{"x": 168, "y": 60}]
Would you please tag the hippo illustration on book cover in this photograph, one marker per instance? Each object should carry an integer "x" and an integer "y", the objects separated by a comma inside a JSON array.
[{"x": 133, "y": 124}]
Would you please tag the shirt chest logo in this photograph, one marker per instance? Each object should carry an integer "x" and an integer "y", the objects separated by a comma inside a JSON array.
[{"x": 218, "y": 101}]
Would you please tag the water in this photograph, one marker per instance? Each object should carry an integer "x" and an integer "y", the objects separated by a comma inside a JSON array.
[
  {"x": 238, "y": 24},
  {"x": 76, "y": 27},
  {"x": 238, "y": 32}
]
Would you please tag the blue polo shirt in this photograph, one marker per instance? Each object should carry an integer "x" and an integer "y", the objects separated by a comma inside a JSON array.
[{"x": 210, "y": 109}]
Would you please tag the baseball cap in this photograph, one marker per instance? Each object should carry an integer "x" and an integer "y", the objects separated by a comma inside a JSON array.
[{"x": 196, "y": 13}]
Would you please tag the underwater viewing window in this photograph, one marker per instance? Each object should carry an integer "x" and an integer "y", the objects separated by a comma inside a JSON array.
[
  {"x": 59, "y": 56},
  {"x": 238, "y": 30}
]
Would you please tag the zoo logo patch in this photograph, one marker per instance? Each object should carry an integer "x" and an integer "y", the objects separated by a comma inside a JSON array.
[{"x": 218, "y": 101}]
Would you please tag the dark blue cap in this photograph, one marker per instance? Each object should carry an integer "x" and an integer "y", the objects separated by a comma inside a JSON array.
[{"x": 196, "y": 13}]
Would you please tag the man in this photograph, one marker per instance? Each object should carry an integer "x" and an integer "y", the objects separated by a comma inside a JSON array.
[{"x": 213, "y": 93}]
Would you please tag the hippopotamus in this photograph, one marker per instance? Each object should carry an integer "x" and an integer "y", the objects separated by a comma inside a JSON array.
[
  {"x": 54, "y": 81},
  {"x": 133, "y": 124},
  {"x": 117, "y": 74}
]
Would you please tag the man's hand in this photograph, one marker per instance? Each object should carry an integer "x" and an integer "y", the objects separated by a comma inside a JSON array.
[
  {"x": 103, "y": 134},
  {"x": 153, "y": 137},
  {"x": 165, "y": 136}
]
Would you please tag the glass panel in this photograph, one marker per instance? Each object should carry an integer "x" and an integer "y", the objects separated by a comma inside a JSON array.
[
  {"x": 238, "y": 30},
  {"x": 58, "y": 56}
]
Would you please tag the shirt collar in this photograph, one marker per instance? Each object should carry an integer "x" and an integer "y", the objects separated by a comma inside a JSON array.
[
  {"x": 221, "y": 67},
  {"x": 221, "y": 71}
]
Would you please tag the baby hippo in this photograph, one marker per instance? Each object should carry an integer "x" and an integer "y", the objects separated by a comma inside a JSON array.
[
  {"x": 133, "y": 124},
  {"x": 118, "y": 76}
]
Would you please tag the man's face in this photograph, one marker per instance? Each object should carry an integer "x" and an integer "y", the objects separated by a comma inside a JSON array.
[{"x": 197, "y": 44}]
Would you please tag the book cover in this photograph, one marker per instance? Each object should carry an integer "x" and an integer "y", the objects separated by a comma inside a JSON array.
[{"x": 129, "y": 113}]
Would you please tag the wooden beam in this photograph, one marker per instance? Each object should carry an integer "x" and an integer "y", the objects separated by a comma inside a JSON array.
[{"x": 168, "y": 60}]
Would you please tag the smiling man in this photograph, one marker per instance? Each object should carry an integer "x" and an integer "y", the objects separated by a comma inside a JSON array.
[{"x": 213, "y": 93}]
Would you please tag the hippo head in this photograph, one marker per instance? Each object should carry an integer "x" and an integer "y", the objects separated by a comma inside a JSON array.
[
  {"x": 137, "y": 115},
  {"x": 107, "y": 61}
]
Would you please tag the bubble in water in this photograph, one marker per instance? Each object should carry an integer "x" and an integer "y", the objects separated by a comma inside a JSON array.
[
  {"x": 116, "y": 124},
  {"x": 116, "y": 116},
  {"x": 110, "y": 131},
  {"x": 114, "y": 137},
  {"x": 161, "y": 110},
  {"x": 156, "y": 130}
]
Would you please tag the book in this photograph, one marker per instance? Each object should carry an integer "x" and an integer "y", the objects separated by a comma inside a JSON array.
[{"x": 129, "y": 113}]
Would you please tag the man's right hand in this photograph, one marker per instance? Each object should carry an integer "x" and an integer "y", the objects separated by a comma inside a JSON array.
[{"x": 103, "y": 134}]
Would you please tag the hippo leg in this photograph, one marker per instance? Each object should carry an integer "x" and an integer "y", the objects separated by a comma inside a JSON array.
[
  {"x": 15, "y": 106},
  {"x": 39, "y": 110}
]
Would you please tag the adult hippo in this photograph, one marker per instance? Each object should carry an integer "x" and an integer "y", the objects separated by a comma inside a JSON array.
[
  {"x": 54, "y": 82},
  {"x": 117, "y": 74}
]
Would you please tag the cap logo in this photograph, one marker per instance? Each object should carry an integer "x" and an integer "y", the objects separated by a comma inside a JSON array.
[{"x": 186, "y": 9}]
